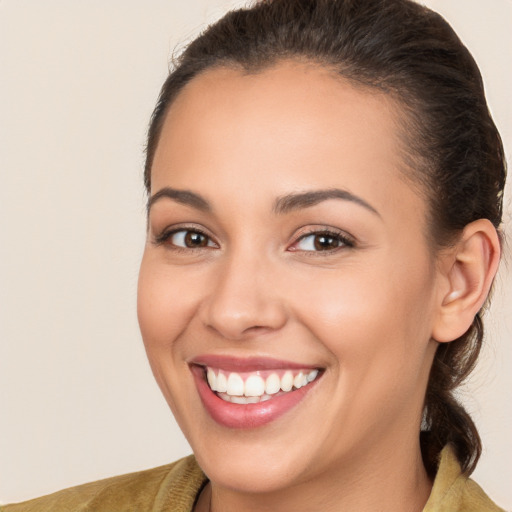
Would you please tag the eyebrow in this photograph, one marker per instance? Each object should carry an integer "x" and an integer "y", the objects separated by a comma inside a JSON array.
[
  {"x": 282, "y": 205},
  {"x": 292, "y": 202},
  {"x": 185, "y": 197}
]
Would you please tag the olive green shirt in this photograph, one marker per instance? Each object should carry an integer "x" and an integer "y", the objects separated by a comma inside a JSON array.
[{"x": 175, "y": 487}]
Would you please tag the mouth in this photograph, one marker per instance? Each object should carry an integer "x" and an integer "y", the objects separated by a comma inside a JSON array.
[
  {"x": 250, "y": 393},
  {"x": 258, "y": 386}
]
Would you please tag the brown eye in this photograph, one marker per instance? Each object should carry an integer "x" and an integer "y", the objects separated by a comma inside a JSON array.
[
  {"x": 193, "y": 239},
  {"x": 190, "y": 239},
  {"x": 322, "y": 241},
  {"x": 326, "y": 242}
]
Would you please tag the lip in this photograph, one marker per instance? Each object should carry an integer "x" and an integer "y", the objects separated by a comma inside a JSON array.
[
  {"x": 246, "y": 416},
  {"x": 249, "y": 364}
]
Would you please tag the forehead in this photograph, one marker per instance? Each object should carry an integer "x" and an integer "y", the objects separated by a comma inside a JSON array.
[{"x": 288, "y": 127}]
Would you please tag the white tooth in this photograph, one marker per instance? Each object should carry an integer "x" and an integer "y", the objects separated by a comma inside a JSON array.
[
  {"x": 304, "y": 379},
  {"x": 222, "y": 382},
  {"x": 225, "y": 397},
  {"x": 240, "y": 399},
  {"x": 212, "y": 379},
  {"x": 312, "y": 375},
  {"x": 252, "y": 399},
  {"x": 272, "y": 384},
  {"x": 287, "y": 381},
  {"x": 254, "y": 386},
  {"x": 235, "y": 385},
  {"x": 265, "y": 397},
  {"x": 297, "y": 381}
]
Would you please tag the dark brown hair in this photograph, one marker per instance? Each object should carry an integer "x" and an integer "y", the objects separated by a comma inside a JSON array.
[{"x": 454, "y": 150}]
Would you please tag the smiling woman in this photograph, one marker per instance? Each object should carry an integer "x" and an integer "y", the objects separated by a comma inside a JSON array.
[
  {"x": 294, "y": 315},
  {"x": 324, "y": 208}
]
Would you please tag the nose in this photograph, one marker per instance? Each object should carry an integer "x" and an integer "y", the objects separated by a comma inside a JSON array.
[{"x": 244, "y": 300}]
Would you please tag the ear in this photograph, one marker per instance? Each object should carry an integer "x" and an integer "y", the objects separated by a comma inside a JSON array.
[{"x": 467, "y": 272}]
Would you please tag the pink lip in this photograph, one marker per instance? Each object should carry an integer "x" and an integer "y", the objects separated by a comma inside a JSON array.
[
  {"x": 250, "y": 364},
  {"x": 245, "y": 416}
]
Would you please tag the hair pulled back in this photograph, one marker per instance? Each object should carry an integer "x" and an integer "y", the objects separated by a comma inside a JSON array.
[{"x": 454, "y": 150}]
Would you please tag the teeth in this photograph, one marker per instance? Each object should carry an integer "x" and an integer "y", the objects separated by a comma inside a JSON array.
[
  {"x": 222, "y": 383},
  {"x": 255, "y": 388},
  {"x": 312, "y": 375},
  {"x": 245, "y": 399},
  {"x": 287, "y": 381},
  {"x": 272, "y": 384},
  {"x": 212, "y": 379},
  {"x": 297, "y": 381},
  {"x": 235, "y": 385}
]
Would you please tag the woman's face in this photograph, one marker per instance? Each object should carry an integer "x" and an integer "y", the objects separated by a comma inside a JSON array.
[{"x": 284, "y": 240}]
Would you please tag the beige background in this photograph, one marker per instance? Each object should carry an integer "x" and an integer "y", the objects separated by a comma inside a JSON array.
[{"x": 78, "y": 81}]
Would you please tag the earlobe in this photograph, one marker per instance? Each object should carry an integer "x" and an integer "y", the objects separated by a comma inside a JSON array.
[{"x": 468, "y": 272}]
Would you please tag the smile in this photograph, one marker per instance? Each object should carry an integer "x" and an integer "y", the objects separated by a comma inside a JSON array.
[
  {"x": 249, "y": 393},
  {"x": 259, "y": 386}
]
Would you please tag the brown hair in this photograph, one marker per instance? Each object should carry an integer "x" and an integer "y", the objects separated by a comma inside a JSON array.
[{"x": 454, "y": 149}]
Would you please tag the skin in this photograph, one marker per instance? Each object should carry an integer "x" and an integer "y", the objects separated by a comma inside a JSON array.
[{"x": 366, "y": 312}]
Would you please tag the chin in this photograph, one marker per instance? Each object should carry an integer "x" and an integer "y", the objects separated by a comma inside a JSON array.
[{"x": 245, "y": 472}]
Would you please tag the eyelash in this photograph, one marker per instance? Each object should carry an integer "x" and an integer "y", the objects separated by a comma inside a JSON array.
[
  {"x": 165, "y": 236},
  {"x": 345, "y": 241}
]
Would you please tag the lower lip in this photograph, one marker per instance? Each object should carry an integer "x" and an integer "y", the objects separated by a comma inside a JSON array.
[{"x": 246, "y": 415}]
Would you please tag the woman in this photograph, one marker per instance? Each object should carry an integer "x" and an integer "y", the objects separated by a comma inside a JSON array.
[{"x": 325, "y": 187}]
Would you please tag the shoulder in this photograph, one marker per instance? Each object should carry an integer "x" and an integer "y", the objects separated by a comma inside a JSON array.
[
  {"x": 454, "y": 492},
  {"x": 172, "y": 487}
]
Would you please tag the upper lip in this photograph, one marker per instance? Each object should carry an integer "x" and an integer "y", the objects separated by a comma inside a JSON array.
[{"x": 247, "y": 364}]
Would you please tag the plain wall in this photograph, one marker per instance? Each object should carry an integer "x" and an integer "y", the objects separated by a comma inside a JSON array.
[{"x": 78, "y": 81}]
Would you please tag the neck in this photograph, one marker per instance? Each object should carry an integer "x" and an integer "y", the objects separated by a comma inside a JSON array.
[{"x": 394, "y": 480}]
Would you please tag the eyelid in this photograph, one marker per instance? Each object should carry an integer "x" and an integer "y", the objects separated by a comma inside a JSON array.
[
  {"x": 165, "y": 234},
  {"x": 347, "y": 241}
]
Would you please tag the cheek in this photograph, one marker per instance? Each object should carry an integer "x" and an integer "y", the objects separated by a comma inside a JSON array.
[
  {"x": 360, "y": 313},
  {"x": 165, "y": 303},
  {"x": 375, "y": 327}
]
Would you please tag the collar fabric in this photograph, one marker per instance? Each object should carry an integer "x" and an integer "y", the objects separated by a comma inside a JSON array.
[{"x": 175, "y": 487}]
